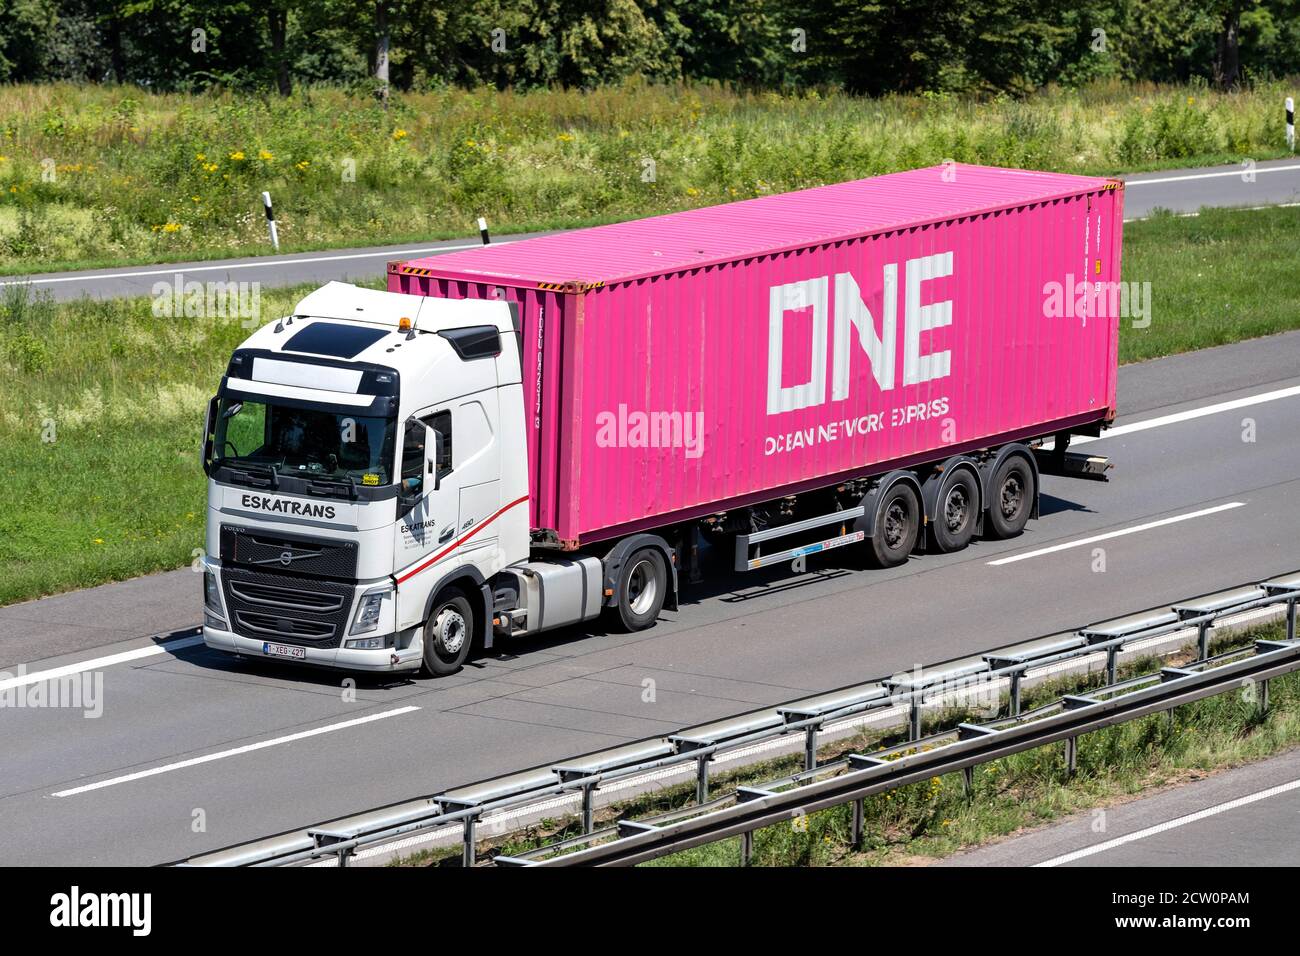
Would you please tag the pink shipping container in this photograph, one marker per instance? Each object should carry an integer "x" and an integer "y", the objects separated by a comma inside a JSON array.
[{"x": 685, "y": 364}]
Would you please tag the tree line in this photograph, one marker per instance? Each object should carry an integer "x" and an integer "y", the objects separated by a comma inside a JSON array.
[{"x": 937, "y": 46}]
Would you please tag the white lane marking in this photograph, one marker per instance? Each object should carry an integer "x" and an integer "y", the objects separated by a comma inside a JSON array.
[
  {"x": 248, "y": 748},
  {"x": 1171, "y": 824},
  {"x": 1190, "y": 414},
  {"x": 22, "y": 680},
  {"x": 1129, "y": 183},
  {"x": 268, "y": 262},
  {"x": 1116, "y": 534}
]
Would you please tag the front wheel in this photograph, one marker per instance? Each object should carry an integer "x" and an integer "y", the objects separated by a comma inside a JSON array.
[{"x": 448, "y": 633}]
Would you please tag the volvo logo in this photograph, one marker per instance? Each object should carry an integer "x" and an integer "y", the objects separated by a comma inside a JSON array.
[{"x": 288, "y": 556}]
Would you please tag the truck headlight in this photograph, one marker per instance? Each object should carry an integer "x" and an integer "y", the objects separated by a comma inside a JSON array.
[
  {"x": 212, "y": 595},
  {"x": 369, "y": 610}
]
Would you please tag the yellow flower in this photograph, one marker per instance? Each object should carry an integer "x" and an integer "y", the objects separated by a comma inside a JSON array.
[
  {"x": 171, "y": 227},
  {"x": 399, "y": 134},
  {"x": 99, "y": 541},
  {"x": 302, "y": 164},
  {"x": 237, "y": 155},
  {"x": 692, "y": 191},
  {"x": 210, "y": 167},
  {"x": 200, "y": 157},
  {"x": 265, "y": 156},
  {"x": 1191, "y": 100},
  {"x": 565, "y": 137},
  {"x": 196, "y": 199}
]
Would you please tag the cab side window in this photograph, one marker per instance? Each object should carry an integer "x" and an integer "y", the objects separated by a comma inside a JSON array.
[{"x": 413, "y": 447}]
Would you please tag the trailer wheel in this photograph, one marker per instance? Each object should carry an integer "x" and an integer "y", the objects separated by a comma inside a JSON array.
[
  {"x": 1011, "y": 498},
  {"x": 642, "y": 588},
  {"x": 898, "y": 521},
  {"x": 448, "y": 633},
  {"x": 956, "y": 511}
]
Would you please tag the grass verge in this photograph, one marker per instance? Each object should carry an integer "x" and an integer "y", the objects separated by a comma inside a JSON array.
[
  {"x": 925, "y": 822},
  {"x": 141, "y": 177},
  {"x": 101, "y": 402}
]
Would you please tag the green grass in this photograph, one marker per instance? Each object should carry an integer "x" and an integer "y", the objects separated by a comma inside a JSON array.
[
  {"x": 102, "y": 175},
  {"x": 925, "y": 822},
  {"x": 1218, "y": 277},
  {"x": 118, "y": 491}
]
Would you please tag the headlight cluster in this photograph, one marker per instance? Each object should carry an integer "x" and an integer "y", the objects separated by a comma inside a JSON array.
[
  {"x": 368, "y": 616},
  {"x": 215, "y": 612}
]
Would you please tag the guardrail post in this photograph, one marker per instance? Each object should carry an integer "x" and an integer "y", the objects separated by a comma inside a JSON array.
[
  {"x": 810, "y": 748},
  {"x": 859, "y": 822},
  {"x": 1015, "y": 693},
  {"x": 1071, "y": 755},
  {"x": 746, "y": 847},
  {"x": 344, "y": 856},
  {"x": 467, "y": 851},
  {"x": 702, "y": 779},
  {"x": 1112, "y": 655},
  {"x": 1263, "y": 697},
  {"x": 968, "y": 782},
  {"x": 914, "y": 718},
  {"x": 1203, "y": 640},
  {"x": 1290, "y": 620},
  {"x": 588, "y": 811}
]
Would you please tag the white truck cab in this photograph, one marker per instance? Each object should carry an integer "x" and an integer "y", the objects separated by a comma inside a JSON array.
[{"x": 367, "y": 501}]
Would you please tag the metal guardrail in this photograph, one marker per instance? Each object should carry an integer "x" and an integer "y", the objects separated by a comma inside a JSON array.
[{"x": 856, "y": 776}]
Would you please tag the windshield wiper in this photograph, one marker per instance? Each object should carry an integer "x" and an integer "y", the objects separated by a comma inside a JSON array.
[
  {"x": 249, "y": 476},
  {"x": 336, "y": 482}
]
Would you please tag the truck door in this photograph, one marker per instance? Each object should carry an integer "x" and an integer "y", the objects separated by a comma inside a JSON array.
[{"x": 426, "y": 534}]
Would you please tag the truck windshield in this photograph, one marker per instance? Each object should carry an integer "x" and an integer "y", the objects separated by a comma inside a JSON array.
[{"x": 304, "y": 442}]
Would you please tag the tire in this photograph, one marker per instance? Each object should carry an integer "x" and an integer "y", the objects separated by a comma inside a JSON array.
[
  {"x": 956, "y": 511},
  {"x": 1011, "y": 498},
  {"x": 898, "y": 523},
  {"x": 642, "y": 588},
  {"x": 449, "y": 633}
]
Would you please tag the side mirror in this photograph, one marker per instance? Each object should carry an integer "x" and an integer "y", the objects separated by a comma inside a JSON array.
[
  {"x": 209, "y": 427},
  {"x": 433, "y": 454}
]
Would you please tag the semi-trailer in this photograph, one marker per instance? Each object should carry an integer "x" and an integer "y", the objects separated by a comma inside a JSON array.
[{"x": 534, "y": 434}]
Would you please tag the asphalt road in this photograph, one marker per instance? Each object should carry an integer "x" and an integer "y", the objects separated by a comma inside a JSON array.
[
  {"x": 190, "y": 737},
  {"x": 1249, "y": 816},
  {"x": 1182, "y": 190}
]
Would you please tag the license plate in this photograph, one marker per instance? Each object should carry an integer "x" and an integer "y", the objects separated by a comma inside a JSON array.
[{"x": 284, "y": 650}]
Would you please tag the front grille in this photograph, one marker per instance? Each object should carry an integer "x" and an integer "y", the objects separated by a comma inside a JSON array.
[
  {"x": 296, "y": 554},
  {"x": 280, "y": 607}
]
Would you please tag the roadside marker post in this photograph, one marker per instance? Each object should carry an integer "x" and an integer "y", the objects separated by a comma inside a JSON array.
[
  {"x": 270, "y": 221},
  {"x": 1290, "y": 124},
  {"x": 483, "y": 230}
]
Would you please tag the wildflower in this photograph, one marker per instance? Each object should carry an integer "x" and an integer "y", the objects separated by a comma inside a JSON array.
[
  {"x": 302, "y": 165},
  {"x": 237, "y": 155},
  {"x": 171, "y": 227},
  {"x": 196, "y": 199},
  {"x": 99, "y": 541},
  {"x": 210, "y": 167},
  {"x": 200, "y": 157},
  {"x": 692, "y": 191},
  {"x": 565, "y": 137},
  {"x": 265, "y": 156},
  {"x": 399, "y": 134}
]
